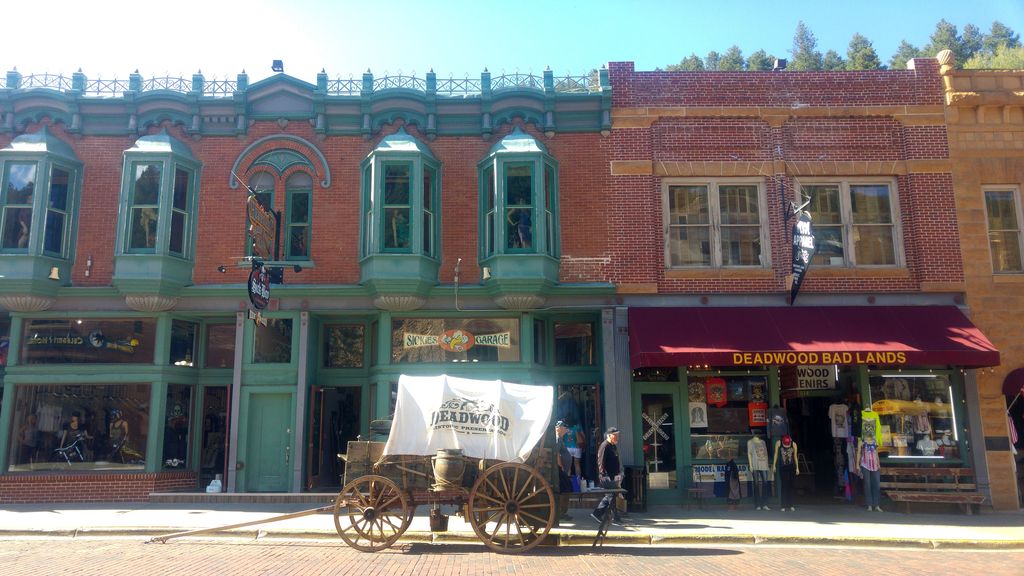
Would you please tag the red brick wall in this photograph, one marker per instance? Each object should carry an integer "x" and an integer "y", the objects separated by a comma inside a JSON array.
[
  {"x": 20, "y": 489},
  {"x": 834, "y": 126}
]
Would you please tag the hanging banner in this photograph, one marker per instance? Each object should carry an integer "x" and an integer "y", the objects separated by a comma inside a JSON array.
[{"x": 803, "y": 251}]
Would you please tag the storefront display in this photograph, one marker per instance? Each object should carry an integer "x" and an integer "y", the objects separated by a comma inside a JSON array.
[
  {"x": 79, "y": 427},
  {"x": 917, "y": 416}
]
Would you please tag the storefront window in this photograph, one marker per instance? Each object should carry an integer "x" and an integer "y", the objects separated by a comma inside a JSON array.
[
  {"x": 273, "y": 342},
  {"x": 343, "y": 346},
  {"x": 455, "y": 340},
  {"x": 79, "y": 427},
  {"x": 579, "y": 406},
  {"x": 220, "y": 346},
  {"x": 183, "y": 343},
  {"x": 88, "y": 341},
  {"x": 5, "y": 341},
  {"x": 574, "y": 343},
  {"x": 917, "y": 417},
  {"x": 215, "y": 426},
  {"x": 723, "y": 411},
  {"x": 176, "y": 431}
]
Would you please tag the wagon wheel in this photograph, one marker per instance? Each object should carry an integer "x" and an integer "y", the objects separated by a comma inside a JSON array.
[
  {"x": 371, "y": 513},
  {"x": 511, "y": 507}
]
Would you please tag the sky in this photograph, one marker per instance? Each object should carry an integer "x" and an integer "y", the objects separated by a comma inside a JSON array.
[{"x": 458, "y": 38}]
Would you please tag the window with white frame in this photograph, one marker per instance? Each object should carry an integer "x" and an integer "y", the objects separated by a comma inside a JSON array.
[
  {"x": 854, "y": 221},
  {"x": 715, "y": 223},
  {"x": 1004, "y": 216}
]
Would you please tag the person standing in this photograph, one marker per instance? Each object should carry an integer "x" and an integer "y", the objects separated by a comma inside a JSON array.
[
  {"x": 785, "y": 457},
  {"x": 564, "y": 466},
  {"x": 609, "y": 471}
]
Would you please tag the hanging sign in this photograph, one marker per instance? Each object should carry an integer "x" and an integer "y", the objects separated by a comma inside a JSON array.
[
  {"x": 803, "y": 251},
  {"x": 815, "y": 378},
  {"x": 259, "y": 286},
  {"x": 262, "y": 229}
]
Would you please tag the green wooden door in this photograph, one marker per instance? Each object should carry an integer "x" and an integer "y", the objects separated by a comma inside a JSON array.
[
  {"x": 659, "y": 414},
  {"x": 268, "y": 442}
]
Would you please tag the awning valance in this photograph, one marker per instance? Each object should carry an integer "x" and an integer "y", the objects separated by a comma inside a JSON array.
[{"x": 749, "y": 336}]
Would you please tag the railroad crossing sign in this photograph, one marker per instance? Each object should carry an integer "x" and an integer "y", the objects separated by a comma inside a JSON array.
[{"x": 655, "y": 431}]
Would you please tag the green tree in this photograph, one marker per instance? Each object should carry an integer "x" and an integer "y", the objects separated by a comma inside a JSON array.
[
  {"x": 833, "y": 61},
  {"x": 861, "y": 55},
  {"x": 732, "y": 60},
  {"x": 999, "y": 35},
  {"x": 905, "y": 52},
  {"x": 1005, "y": 58},
  {"x": 712, "y": 60},
  {"x": 760, "y": 60},
  {"x": 971, "y": 41},
  {"x": 805, "y": 57},
  {"x": 690, "y": 63},
  {"x": 946, "y": 37}
]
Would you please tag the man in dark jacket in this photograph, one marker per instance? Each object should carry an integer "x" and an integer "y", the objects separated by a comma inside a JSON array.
[{"x": 609, "y": 471}]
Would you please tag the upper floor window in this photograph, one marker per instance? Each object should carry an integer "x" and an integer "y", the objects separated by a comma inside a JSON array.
[
  {"x": 299, "y": 217},
  {"x": 854, "y": 222},
  {"x": 161, "y": 179},
  {"x": 715, "y": 223},
  {"x": 401, "y": 195},
  {"x": 519, "y": 198},
  {"x": 39, "y": 180},
  {"x": 1004, "y": 216}
]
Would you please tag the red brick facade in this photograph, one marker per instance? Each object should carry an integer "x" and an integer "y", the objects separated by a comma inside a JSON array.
[{"x": 86, "y": 487}]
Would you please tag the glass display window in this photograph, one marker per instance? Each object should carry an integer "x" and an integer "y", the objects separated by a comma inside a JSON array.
[
  {"x": 88, "y": 427},
  {"x": 183, "y": 343},
  {"x": 344, "y": 345},
  {"x": 722, "y": 411},
  {"x": 177, "y": 426},
  {"x": 917, "y": 415},
  {"x": 220, "y": 346},
  {"x": 273, "y": 342},
  {"x": 88, "y": 341}
]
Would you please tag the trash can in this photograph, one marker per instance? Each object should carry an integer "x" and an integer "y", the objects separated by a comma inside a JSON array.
[{"x": 635, "y": 482}]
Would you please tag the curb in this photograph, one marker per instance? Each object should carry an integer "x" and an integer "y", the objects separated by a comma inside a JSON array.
[{"x": 556, "y": 538}]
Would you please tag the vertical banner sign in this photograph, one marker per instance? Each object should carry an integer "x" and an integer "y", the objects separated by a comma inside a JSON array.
[
  {"x": 803, "y": 251},
  {"x": 262, "y": 229},
  {"x": 259, "y": 286}
]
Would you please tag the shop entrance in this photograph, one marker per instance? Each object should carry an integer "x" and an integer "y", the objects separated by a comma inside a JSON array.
[
  {"x": 823, "y": 458},
  {"x": 335, "y": 419},
  {"x": 269, "y": 440}
]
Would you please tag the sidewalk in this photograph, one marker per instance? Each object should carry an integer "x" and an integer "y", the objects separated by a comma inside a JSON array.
[{"x": 836, "y": 525}]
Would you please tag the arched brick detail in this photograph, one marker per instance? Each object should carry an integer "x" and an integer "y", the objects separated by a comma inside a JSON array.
[{"x": 244, "y": 163}]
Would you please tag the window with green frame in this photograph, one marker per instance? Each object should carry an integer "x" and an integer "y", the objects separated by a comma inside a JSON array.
[
  {"x": 397, "y": 205},
  {"x": 144, "y": 207},
  {"x": 299, "y": 189},
  {"x": 55, "y": 229},
  {"x": 18, "y": 192},
  {"x": 518, "y": 183}
]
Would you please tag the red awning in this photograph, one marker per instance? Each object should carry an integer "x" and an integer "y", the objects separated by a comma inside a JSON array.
[
  {"x": 1013, "y": 384},
  {"x": 879, "y": 335}
]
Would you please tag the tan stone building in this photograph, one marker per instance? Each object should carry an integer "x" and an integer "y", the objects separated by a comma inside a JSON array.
[{"x": 985, "y": 117}]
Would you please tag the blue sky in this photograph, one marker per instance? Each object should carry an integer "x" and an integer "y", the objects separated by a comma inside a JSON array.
[{"x": 108, "y": 38}]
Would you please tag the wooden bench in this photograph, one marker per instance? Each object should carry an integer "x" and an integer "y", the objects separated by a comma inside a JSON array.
[{"x": 938, "y": 485}]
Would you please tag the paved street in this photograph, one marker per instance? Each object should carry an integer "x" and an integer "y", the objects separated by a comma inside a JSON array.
[{"x": 38, "y": 556}]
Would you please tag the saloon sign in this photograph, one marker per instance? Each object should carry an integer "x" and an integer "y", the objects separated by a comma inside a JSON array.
[{"x": 259, "y": 286}]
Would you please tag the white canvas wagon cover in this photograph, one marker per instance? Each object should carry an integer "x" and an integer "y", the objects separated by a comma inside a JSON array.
[{"x": 484, "y": 418}]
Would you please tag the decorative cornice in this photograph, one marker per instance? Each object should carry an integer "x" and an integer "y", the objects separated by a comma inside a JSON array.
[
  {"x": 399, "y": 302},
  {"x": 150, "y": 302},
  {"x": 26, "y": 302},
  {"x": 519, "y": 301}
]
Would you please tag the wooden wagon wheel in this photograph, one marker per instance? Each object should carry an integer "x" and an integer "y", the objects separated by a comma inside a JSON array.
[
  {"x": 511, "y": 507},
  {"x": 371, "y": 513}
]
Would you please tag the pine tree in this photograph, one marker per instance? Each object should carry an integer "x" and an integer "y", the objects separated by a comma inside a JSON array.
[
  {"x": 760, "y": 60},
  {"x": 712, "y": 60},
  {"x": 999, "y": 35},
  {"x": 732, "y": 60},
  {"x": 1005, "y": 58},
  {"x": 833, "y": 61},
  {"x": 971, "y": 41},
  {"x": 689, "y": 64},
  {"x": 945, "y": 37},
  {"x": 861, "y": 55},
  {"x": 805, "y": 57},
  {"x": 905, "y": 52}
]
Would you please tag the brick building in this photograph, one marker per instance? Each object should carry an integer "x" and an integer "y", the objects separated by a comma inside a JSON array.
[
  {"x": 624, "y": 238},
  {"x": 706, "y": 167},
  {"x": 986, "y": 139}
]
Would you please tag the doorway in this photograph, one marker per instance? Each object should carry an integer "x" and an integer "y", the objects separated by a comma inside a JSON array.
[
  {"x": 660, "y": 442},
  {"x": 823, "y": 460},
  {"x": 335, "y": 419},
  {"x": 268, "y": 442},
  {"x": 213, "y": 442}
]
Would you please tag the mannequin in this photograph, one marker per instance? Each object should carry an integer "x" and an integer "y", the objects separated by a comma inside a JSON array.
[
  {"x": 868, "y": 466},
  {"x": 757, "y": 460},
  {"x": 787, "y": 468},
  {"x": 118, "y": 433},
  {"x": 732, "y": 482},
  {"x": 927, "y": 446}
]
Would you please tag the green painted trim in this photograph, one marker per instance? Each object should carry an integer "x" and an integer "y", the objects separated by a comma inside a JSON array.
[
  {"x": 681, "y": 433},
  {"x": 6, "y": 415}
]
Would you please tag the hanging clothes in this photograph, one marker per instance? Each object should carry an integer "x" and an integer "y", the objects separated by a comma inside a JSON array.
[{"x": 732, "y": 480}]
